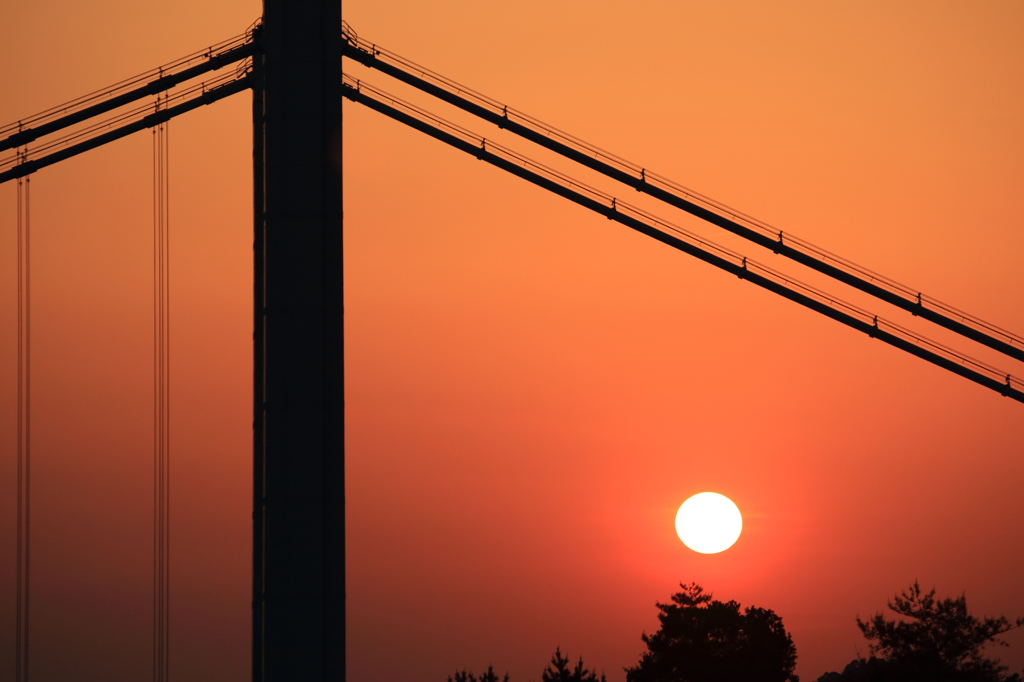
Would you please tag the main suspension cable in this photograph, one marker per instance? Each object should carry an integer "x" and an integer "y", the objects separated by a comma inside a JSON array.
[
  {"x": 641, "y": 179},
  {"x": 148, "y": 83},
  {"x": 679, "y": 238},
  {"x": 95, "y": 134}
]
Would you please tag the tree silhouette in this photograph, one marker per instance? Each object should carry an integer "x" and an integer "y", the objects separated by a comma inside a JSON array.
[
  {"x": 558, "y": 670},
  {"x": 702, "y": 640},
  {"x": 466, "y": 676},
  {"x": 934, "y": 641}
]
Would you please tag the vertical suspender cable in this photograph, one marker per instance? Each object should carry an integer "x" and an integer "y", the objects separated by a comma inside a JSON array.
[
  {"x": 165, "y": 193},
  {"x": 156, "y": 418},
  {"x": 161, "y": 405},
  {"x": 156, "y": 411},
  {"x": 24, "y": 441}
]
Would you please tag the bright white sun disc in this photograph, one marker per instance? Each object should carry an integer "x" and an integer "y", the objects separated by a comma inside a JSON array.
[{"x": 709, "y": 523}]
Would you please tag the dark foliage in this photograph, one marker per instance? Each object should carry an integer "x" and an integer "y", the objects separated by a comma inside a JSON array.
[
  {"x": 934, "y": 641},
  {"x": 558, "y": 670},
  {"x": 702, "y": 640},
  {"x": 466, "y": 676},
  {"x": 883, "y": 670}
]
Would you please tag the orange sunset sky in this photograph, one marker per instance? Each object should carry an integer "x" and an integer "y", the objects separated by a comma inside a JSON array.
[{"x": 532, "y": 390}]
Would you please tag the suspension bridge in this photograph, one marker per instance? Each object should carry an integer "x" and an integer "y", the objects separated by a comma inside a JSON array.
[{"x": 296, "y": 85}]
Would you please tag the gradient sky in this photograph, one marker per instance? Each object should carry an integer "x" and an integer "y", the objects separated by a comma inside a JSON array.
[{"x": 532, "y": 390}]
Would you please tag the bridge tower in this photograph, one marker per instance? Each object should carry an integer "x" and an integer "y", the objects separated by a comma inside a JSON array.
[{"x": 299, "y": 518}]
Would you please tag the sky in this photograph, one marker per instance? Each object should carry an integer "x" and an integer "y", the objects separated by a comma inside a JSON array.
[{"x": 532, "y": 390}]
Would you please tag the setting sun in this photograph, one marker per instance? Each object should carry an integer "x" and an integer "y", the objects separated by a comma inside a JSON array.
[{"x": 709, "y": 523}]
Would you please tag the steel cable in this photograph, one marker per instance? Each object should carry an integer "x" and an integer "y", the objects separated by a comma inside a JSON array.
[
  {"x": 706, "y": 250},
  {"x": 23, "y": 554},
  {"x": 638, "y": 177},
  {"x": 161, "y": 403}
]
